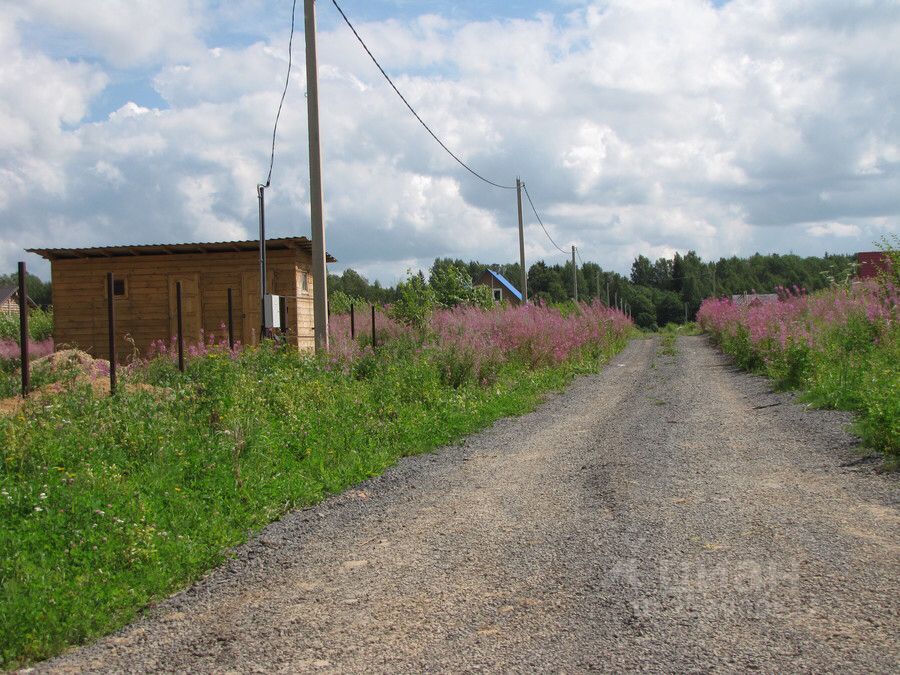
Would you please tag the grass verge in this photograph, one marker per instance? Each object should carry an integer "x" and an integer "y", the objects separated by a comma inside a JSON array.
[{"x": 108, "y": 504}]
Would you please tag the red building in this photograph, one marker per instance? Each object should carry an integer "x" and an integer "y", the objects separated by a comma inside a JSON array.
[{"x": 869, "y": 264}]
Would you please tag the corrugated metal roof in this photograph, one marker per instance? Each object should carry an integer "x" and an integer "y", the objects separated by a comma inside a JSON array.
[
  {"x": 284, "y": 243},
  {"x": 506, "y": 284}
]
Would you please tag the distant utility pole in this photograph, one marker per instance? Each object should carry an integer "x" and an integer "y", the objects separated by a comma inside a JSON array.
[
  {"x": 714, "y": 281},
  {"x": 316, "y": 195},
  {"x": 574, "y": 274},
  {"x": 524, "y": 280},
  {"x": 607, "y": 292}
]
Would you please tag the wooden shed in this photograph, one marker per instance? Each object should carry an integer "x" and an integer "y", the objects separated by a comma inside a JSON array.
[
  {"x": 144, "y": 292},
  {"x": 501, "y": 288},
  {"x": 9, "y": 300}
]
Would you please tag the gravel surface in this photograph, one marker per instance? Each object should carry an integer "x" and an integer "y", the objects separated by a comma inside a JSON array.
[{"x": 668, "y": 514}]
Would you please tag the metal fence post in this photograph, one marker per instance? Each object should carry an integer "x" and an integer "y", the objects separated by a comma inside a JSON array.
[
  {"x": 111, "y": 321},
  {"x": 230, "y": 322},
  {"x": 180, "y": 327},
  {"x": 23, "y": 332}
]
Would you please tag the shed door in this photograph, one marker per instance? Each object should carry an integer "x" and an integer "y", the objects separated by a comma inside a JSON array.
[{"x": 191, "y": 320}]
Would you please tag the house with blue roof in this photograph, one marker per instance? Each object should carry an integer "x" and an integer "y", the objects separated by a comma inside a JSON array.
[{"x": 501, "y": 288}]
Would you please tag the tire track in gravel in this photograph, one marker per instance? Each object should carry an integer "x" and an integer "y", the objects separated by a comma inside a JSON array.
[{"x": 651, "y": 517}]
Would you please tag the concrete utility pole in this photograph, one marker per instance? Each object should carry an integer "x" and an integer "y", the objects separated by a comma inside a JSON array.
[
  {"x": 260, "y": 193},
  {"x": 524, "y": 280},
  {"x": 316, "y": 194},
  {"x": 574, "y": 274}
]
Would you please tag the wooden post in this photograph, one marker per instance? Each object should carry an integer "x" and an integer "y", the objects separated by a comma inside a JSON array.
[
  {"x": 111, "y": 325},
  {"x": 230, "y": 322},
  {"x": 23, "y": 332},
  {"x": 352, "y": 323},
  {"x": 180, "y": 327},
  {"x": 373, "y": 327}
]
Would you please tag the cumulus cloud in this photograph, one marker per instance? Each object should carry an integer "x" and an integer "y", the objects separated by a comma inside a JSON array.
[
  {"x": 833, "y": 229},
  {"x": 638, "y": 127}
]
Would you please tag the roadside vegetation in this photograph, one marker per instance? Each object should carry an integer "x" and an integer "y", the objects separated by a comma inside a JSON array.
[
  {"x": 110, "y": 503},
  {"x": 40, "y": 325},
  {"x": 840, "y": 346}
]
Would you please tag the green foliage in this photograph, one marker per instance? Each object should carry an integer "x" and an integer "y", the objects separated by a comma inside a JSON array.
[
  {"x": 339, "y": 303},
  {"x": 108, "y": 504},
  {"x": 453, "y": 286},
  {"x": 415, "y": 303},
  {"x": 40, "y": 325},
  {"x": 351, "y": 283}
]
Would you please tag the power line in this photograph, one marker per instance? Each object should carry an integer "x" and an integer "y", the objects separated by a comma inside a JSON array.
[
  {"x": 287, "y": 80},
  {"x": 564, "y": 252},
  {"x": 412, "y": 110},
  {"x": 578, "y": 253}
]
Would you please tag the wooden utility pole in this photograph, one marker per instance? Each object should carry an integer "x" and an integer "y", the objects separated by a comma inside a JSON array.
[
  {"x": 574, "y": 274},
  {"x": 524, "y": 280},
  {"x": 316, "y": 194}
]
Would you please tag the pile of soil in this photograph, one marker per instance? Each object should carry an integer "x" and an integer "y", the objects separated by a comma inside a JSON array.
[{"x": 86, "y": 369}]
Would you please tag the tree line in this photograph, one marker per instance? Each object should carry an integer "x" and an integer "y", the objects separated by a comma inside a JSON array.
[{"x": 656, "y": 292}]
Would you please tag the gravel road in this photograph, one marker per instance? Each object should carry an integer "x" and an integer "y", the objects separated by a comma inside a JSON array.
[{"x": 668, "y": 514}]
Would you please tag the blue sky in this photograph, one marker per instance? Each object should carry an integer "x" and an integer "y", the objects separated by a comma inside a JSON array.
[{"x": 641, "y": 126}]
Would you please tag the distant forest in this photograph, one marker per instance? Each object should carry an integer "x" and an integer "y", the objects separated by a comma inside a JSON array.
[{"x": 656, "y": 292}]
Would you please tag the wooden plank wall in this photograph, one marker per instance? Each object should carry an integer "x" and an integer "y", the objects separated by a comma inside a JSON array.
[
  {"x": 146, "y": 312},
  {"x": 9, "y": 307}
]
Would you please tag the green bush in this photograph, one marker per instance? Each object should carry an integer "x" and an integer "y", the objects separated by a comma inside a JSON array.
[
  {"x": 415, "y": 303},
  {"x": 40, "y": 325}
]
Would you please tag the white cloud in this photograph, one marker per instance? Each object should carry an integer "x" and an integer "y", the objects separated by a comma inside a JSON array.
[
  {"x": 124, "y": 32},
  {"x": 833, "y": 229},
  {"x": 639, "y": 128}
]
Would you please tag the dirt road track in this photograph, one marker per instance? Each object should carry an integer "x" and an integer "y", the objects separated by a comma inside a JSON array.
[{"x": 668, "y": 514}]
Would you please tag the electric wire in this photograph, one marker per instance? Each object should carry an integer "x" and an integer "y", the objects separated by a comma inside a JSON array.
[
  {"x": 578, "y": 253},
  {"x": 541, "y": 223},
  {"x": 287, "y": 81},
  {"x": 412, "y": 110}
]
